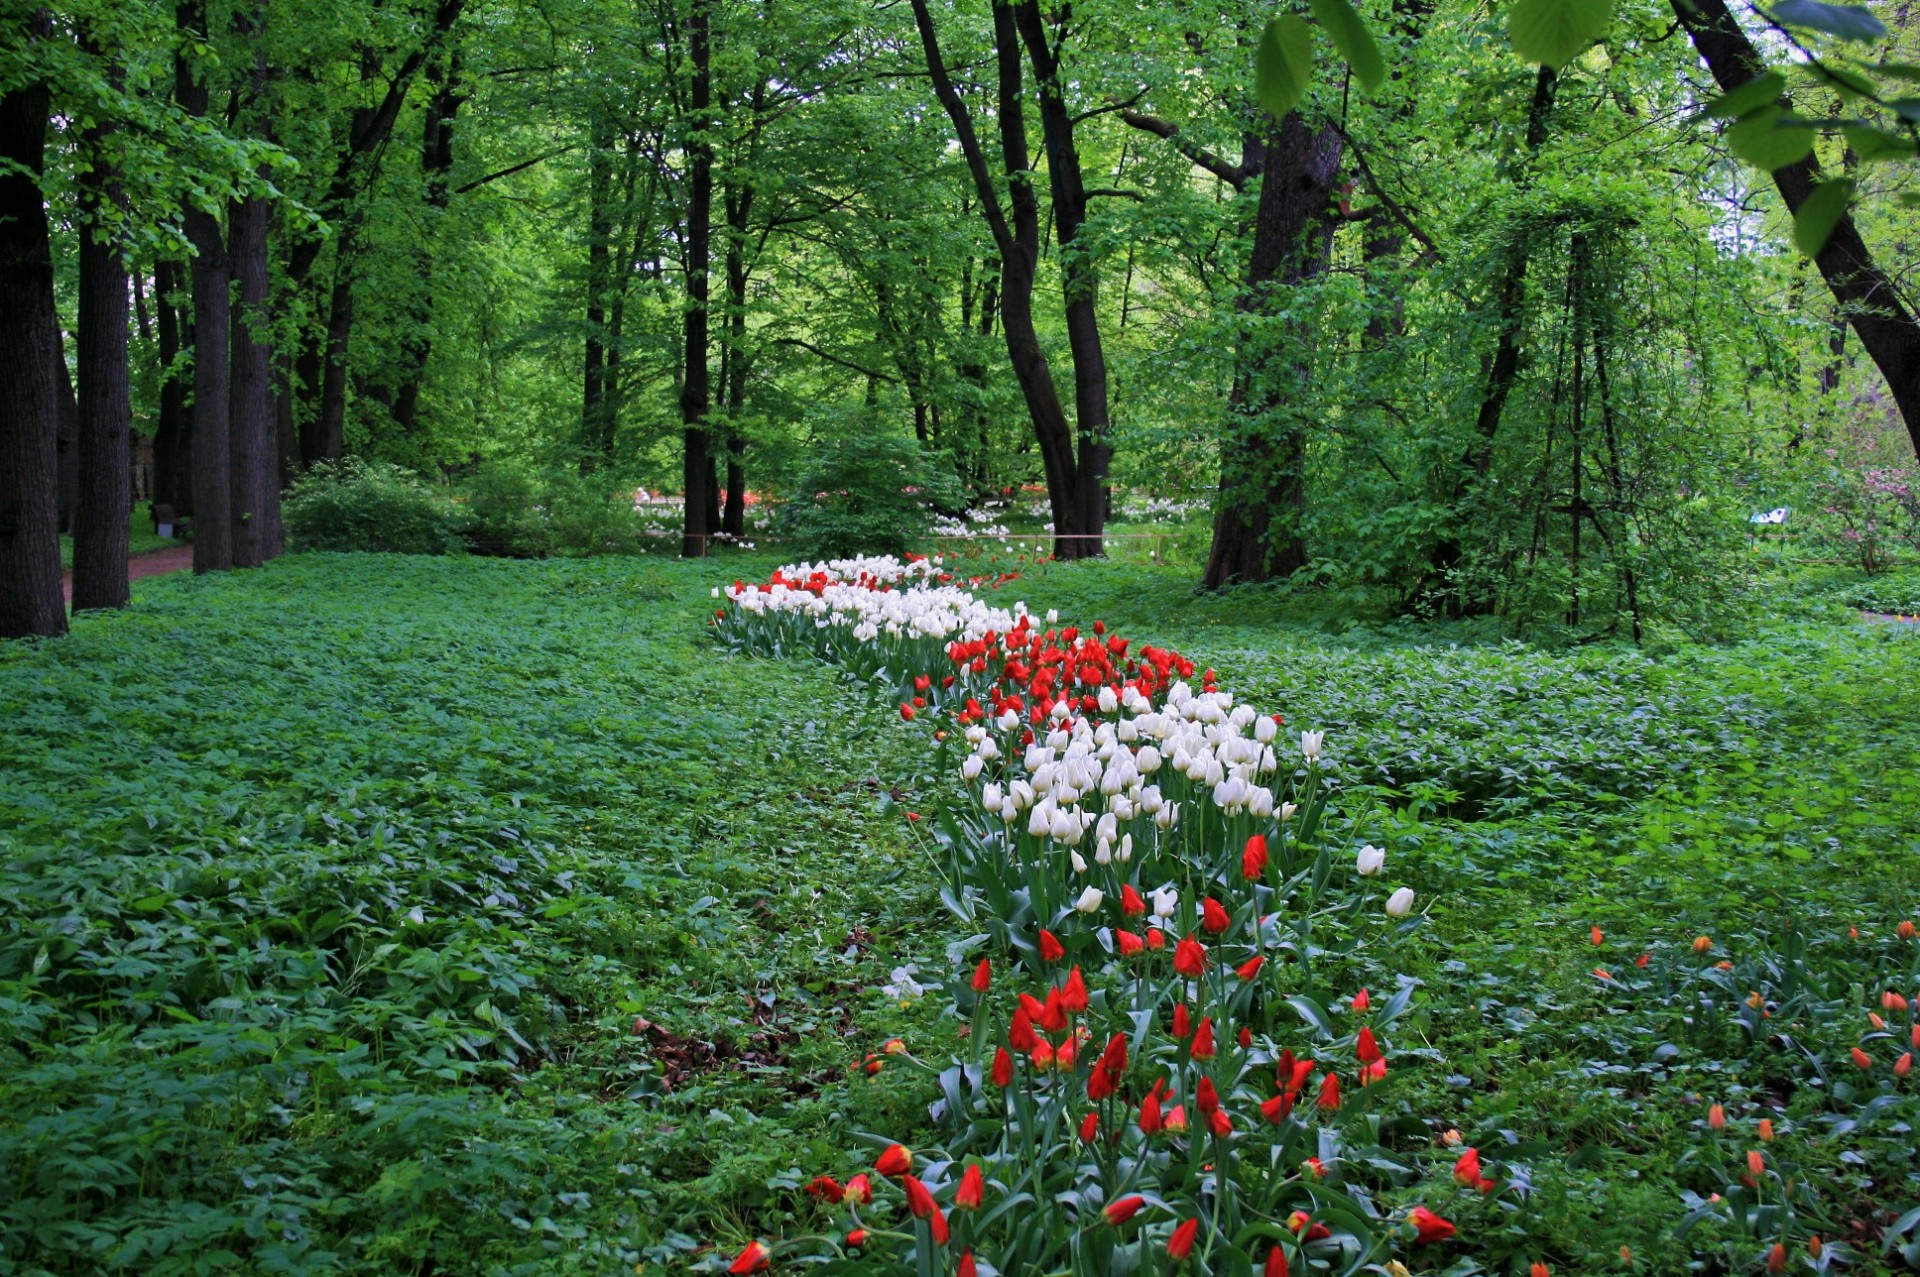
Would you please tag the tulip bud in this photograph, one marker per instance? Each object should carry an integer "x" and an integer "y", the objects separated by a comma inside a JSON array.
[
  {"x": 1180, "y": 1245},
  {"x": 1701, "y": 944},
  {"x": 1903, "y": 1065},
  {"x": 1777, "y": 1258},
  {"x": 1597, "y": 936},
  {"x": 1120, "y": 1211},
  {"x": 1400, "y": 903},
  {"x": 754, "y": 1259},
  {"x": 1090, "y": 900},
  {"x": 1370, "y": 860},
  {"x": 1756, "y": 1163},
  {"x": 1766, "y": 1130},
  {"x": 1716, "y": 1118},
  {"x": 1861, "y": 1060}
]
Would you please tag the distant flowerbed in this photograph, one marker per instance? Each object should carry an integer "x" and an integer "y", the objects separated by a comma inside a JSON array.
[{"x": 1164, "y": 1057}]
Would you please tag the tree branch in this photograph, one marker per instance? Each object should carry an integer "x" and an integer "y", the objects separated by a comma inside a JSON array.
[
  {"x": 833, "y": 358},
  {"x": 478, "y": 182},
  {"x": 1234, "y": 175},
  {"x": 1398, "y": 213}
]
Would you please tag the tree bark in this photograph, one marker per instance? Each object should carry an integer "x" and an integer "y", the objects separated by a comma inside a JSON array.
[
  {"x": 1257, "y": 534},
  {"x": 1866, "y": 294},
  {"x": 100, "y": 530},
  {"x": 30, "y": 602},
  {"x": 436, "y": 168},
  {"x": 1017, "y": 240},
  {"x": 257, "y": 532},
  {"x": 212, "y": 460},
  {"x": 596, "y": 439},
  {"x": 173, "y": 433},
  {"x": 695, "y": 389},
  {"x": 1080, "y": 283}
]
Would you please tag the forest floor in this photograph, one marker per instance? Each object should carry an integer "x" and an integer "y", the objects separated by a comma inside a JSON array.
[
  {"x": 377, "y": 914},
  {"x": 172, "y": 558}
]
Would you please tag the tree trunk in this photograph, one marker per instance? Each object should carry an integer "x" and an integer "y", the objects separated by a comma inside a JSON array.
[
  {"x": 106, "y": 421},
  {"x": 173, "y": 433},
  {"x": 596, "y": 440},
  {"x": 695, "y": 390},
  {"x": 1017, "y": 239},
  {"x": 436, "y": 168},
  {"x": 330, "y": 415},
  {"x": 212, "y": 461},
  {"x": 1263, "y": 471},
  {"x": 1870, "y": 299},
  {"x": 1080, "y": 283},
  {"x": 67, "y": 449},
  {"x": 30, "y": 602},
  {"x": 257, "y": 532}
]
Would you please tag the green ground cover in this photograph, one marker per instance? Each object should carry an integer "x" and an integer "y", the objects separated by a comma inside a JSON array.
[{"x": 330, "y": 896}]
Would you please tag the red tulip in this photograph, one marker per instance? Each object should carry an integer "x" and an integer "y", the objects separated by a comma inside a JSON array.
[
  {"x": 1020, "y": 1034},
  {"x": 1276, "y": 1109},
  {"x": 1205, "y": 1097},
  {"x": 1180, "y": 1245},
  {"x": 857, "y": 1238},
  {"x": 1538, "y": 1269},
  {"x": 1371, "y": 1073},
  {"x": 1466, "y": 1171},
  {"x": 1202, "y": 1048},
  {"x": 1125, "y": 1208},
  {"x": 1315, "y": 1231},
  {"x": 1756, "y": 1162},
  {"x": 1150, "y": 1121},
  {"x": 1361, "y": 1002},
  {"x": 754, "y": 1259},
  {"x": 972, "y": 1190},
  {"x": 1090, "y": 1127},
  {"x": 1251, "y": 967},
  {"x": 1597, "y": 936},
  {"x": 982, "y": 976},
  {"x": 824, "y": 1188},
  {"x": 1002, "y": 1068},
  {"x": 1716, "y": 1117},
  {"x": 1053, "y": 1015},
  {"x": 1777, "y": 1258},
  {"x": 1176, "y": 1120},
  {"x": 859, "y": 1190},
  {"x": 966, "y": 1268},
  {"x": 1315, "y": 1167},
  {"x": 1182, "y": 1022},
  {"x": 1128, "y": 943},
  {"x": 1050, "y": 948},
  {"x": 1190, "y": 958},
  {"x": 1042, "y": 1054},
  {"x": 1429, "y": 1227},
  {"x": 1861, "y": 1060},
  {"x": 1246, "y": 1038},
  {"x": 1366, "y": 1049},
  {"x": 897, "y": 1160},
  {"x": 1329, "y": 1092},
  {"x": 1903, "y": 1065},
  {"x": 1131, "y": 902},
  {"x": 1213, "y": 916},
  {"x": 1276, "y": 1264},
  {"x": 1295, "y": 1073},
  {"x": 1074, "y": 997},
  {"x": 921, "y": 1203},
  {"x": 1157, "y": 940},
  {"x": 1253, "y": 861}
]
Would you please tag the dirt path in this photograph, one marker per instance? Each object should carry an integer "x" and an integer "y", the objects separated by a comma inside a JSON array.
[{"x": 174, "y": 558}]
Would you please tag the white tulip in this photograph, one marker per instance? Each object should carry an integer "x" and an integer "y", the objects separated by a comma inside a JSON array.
[
  {"x": 1260, "y": 802},
  {"x": 1053, "y": 616},
  {"x": 1126, "y": 848},
  {"x": 1400, "y": 903},
  {"x": 990, "y": 795},
  {"x": 1078, "y": 861},
  {"x": 1265, "y": 729},
  {"x": 1090, "y": 900},
  {"x": 1287, "y": 810},
  {"x": 1370, "y": 861},
  {"x": 1108, "y": 701},
  {"x": 1168, "y": 816},
  {"x": 1007, "y": 721},
  {"x": 1147, "y": 760},
  {"x": 970, "y": 770},
  {"x": 1310, "y": 745},
  {"x": 1165, "y": 901},
  {"x": 1040, "y": 820}
]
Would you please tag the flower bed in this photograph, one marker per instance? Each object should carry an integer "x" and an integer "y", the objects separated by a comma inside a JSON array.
[{"x": 1163, "y": 1058}]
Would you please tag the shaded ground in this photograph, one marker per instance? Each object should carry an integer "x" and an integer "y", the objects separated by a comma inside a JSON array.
[{"x": 175, "y": 558}]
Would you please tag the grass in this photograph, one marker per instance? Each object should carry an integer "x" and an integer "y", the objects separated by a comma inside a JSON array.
[{"x": 330, "y": 895}]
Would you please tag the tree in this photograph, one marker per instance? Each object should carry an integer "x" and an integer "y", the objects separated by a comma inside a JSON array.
[{"x": 30, "y": 602}]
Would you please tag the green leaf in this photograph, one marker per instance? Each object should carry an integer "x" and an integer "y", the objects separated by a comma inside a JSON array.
[
  {"x": 1815, "y": 219},
  {"x": 1849, "y": 82},
  {"x": 1555, "y": 32},
  {"x": 1765, "y": 140},
  {"x": 1348, "y": 31},
  {"x": 1762, "y": 90},
  {"x": 1283, "y": 66},
  {"x": 1847, "y": 21},
  {"x": 1871, "y": 143}
]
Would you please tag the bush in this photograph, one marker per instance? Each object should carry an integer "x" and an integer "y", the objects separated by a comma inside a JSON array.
[
  {"x": 522, "y": 515},
  {"x": 868, "y": 494},
  {"x": 370, "y": 505}
]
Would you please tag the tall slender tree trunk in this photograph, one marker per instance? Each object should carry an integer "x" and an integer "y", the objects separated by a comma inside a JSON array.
[
  {"x": 173, "y": 432},
  {"x": 1867, "y": 295},
  {"x": 212, "y": 460},
  {"x": 30, "y": 602},
  {"x": 1080, "y": 284},
  {"x": 100, "y": 530},
  {"x": 695, "y": 389},
  {"x": 257, "y": 534},
  {"x": 1016, "y": 237},
  {"x": 595, "y": 438},
  {"x": 436, "y": 168},
  {"x": 739, "y": 206},
  {"x": 67, "y": 450},
  {"x": 330, "y": 414}
]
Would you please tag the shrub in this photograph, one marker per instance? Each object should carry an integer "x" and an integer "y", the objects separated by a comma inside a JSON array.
[
  {"x": 504, "y": 515},
  {"x": 523, "y": 515},
  {"x": 370, "y": 505},
  {"x": 868, "y": 494}
]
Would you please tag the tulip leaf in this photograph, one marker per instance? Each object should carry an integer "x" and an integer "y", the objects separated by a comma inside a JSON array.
[
  {"x": 1283, "y": 65},
  {"x": 1763, "y": 90},
  {"x": 1814, "y": 220},
  {"x": 1348, "y": 31},
  {"x": 1844, "y": 21},
  {"x": 1555, "y": 32},
  {"x": 1313, "y": 1013}
]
